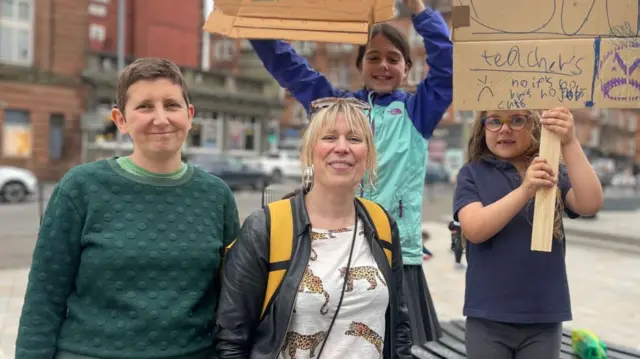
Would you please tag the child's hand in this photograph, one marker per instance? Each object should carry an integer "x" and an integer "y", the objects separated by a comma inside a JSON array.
[
  {"x": 560, "y": 121},
  {"x": 416, "y": 6},
  {"x": 539, "y": 175}
]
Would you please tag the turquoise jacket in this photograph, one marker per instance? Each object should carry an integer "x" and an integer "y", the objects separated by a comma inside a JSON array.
[{"x": 401, "y": 122}]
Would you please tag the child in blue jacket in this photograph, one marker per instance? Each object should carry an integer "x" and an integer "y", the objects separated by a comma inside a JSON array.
[{"x": 402, "y": 122}]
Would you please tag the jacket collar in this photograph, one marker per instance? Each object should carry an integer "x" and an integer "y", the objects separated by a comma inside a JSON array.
[{"x": 302, "y": 224}]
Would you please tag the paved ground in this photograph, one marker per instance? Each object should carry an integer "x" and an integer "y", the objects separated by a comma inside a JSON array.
[{"x": 604, "y": 283}]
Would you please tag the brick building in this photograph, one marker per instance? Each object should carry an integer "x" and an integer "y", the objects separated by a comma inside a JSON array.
[
  {"x": 41, "y": 92},
  {"x": 234, "y": 111},
  {"x": 159, "y": 28}
]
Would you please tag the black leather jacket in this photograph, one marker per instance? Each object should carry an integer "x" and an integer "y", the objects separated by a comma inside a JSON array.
[{"x": 239, "y": 331}]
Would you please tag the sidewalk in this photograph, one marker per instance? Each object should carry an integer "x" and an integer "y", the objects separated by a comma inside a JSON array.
[
  {"x": 13, "y": 284},
  {"x": 604, "y": 290},
  {"x": 603, "y": 284}
]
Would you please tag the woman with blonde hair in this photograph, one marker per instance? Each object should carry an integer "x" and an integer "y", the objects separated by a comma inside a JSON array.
[{"x": 340, "y": 296}]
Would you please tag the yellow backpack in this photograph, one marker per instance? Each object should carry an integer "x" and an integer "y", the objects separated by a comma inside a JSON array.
[{"x": 282, "y": 236}]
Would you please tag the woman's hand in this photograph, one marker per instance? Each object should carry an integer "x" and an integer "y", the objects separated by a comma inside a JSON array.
[
  {"x": 416, "y": 6},
  {"x": 559, "y": 120},
  {"x": 539, "y": 175}
]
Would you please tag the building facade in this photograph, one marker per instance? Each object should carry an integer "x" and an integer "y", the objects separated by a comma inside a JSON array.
[
  {"x": 236, "y": 111},
  {"x": 41, "y": 91}
]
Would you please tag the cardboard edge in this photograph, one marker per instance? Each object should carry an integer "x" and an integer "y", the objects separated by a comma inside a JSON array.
[
  {"x": 383, "y": 10},
  {"x": 219, "y": 23},
  {"x": 300, "y": 35},
  {"x": 461, "y": 16}
]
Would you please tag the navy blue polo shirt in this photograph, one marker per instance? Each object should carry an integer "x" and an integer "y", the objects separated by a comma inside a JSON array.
[{"x": 505, "y": 280}]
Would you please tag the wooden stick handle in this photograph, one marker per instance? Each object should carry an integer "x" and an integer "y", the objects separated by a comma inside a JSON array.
[{"x": 545, "y": 202}]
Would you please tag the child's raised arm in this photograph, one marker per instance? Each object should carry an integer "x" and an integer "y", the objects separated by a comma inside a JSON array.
[
  {"x": 293, "y": 72},
  {"x": 435, "y": 93}
]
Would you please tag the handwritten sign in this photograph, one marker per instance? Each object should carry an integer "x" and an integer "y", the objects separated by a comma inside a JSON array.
[{"x": 524, "y": 54}]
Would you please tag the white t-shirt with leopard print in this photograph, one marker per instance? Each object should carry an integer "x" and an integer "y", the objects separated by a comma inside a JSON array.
[{"x": 359, "y": 329}]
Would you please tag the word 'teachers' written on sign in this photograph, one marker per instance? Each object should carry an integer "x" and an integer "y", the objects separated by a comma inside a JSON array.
[{"x": 538, "y": 54}]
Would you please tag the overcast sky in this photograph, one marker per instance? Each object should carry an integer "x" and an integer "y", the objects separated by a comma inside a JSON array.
[{"x": 208, "y": 7}]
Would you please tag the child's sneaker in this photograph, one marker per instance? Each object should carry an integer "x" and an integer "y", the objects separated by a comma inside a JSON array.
[{"x": 460, "y": 266}]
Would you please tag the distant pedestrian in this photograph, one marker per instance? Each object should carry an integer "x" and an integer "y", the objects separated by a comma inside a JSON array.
[{"x": 456, "y": 242}]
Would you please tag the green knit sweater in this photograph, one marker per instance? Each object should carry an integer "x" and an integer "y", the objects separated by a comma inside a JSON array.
[{"x": 126, "y": 266}]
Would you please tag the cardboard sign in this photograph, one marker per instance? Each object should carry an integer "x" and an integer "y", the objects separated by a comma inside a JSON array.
[
  {"x": 539, "y": 54},
  {"x": 337, "y": 21}
]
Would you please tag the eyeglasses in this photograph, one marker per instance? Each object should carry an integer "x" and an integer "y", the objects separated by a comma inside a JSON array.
[
  {"x": 515, "y": 122},
  {"x": 330, "y": 101}
]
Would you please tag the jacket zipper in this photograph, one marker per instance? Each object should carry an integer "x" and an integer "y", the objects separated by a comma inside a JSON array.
[
  {"x": 400, "y": 208},
  {"x": 293, "y": 307}
]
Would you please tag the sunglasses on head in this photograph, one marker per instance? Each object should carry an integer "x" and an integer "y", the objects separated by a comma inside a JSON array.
[
  {"x": 330, "y": 101},
  {"x": 516, "y": 122}
]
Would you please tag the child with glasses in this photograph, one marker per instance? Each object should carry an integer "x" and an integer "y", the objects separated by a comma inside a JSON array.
[{"x": 516, "y": 299}]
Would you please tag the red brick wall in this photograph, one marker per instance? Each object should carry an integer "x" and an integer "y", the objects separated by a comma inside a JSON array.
[
  {"x": 41, "y": 102},
  {"x": 59, "y": 48},
  {"x": 155, "y": 28}
]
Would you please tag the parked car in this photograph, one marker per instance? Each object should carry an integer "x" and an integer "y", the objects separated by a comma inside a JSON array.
[
  {"x": 16, "y": 184},
  {"x": 280, "y": 165},
  {"x": 234, "y": 172}
]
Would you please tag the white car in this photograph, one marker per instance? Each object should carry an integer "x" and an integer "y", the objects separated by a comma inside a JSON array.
[
  {"x": 279, "y": 165},
  {"x": 16, "y": 184}
]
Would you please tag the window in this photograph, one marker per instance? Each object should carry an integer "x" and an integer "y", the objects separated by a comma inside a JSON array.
[
  {"x": 339, "y": 48},
  {"x": 594, "y": 137},
  {"x": 224, "y": 49},
  {"x": 97, "y": 32},
  {"x": 340, "y": 75},
  {"x": 633, "y": 122},
  {"x": 56, "y": 136},
  {"x": 299, "y": 114},
  {"x": 16, "y": 32},
  {"x": 414, "y": 38},
  {"x": 417, "y": 73},
  {"x": 97, "y": 10},
  {"x": 16, "y": 134},
  {"x": 304, "y": 48}
]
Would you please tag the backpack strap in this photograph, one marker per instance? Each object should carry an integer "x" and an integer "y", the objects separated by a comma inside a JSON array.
[
  {"x": 381, "y": 223},
  {"x": 280, "y": 246}
]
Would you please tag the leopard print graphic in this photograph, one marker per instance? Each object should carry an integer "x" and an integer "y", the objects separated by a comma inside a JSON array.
[
  {"x": 361, "y": 330},
  {"x": 314, "y": 237},
  {"x": 368, "y": 273},
  {"x": 321, "y": 235},
  {"x": 313, "y": 284},
  {"x": 296, "y": 341}
]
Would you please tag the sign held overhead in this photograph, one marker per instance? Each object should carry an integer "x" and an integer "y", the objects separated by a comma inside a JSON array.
[
  {"x": 539, "y": 54},
  {"x": 337, "y": 21}
]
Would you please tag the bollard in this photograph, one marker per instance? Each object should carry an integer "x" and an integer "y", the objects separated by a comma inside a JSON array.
[{"x": 41, "y": 200}]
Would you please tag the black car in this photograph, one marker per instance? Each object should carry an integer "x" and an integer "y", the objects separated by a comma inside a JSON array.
[{"x": 233, "y": 172}]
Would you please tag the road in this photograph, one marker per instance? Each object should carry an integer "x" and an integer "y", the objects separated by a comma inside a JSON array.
[{"x": 19, "y": 222}]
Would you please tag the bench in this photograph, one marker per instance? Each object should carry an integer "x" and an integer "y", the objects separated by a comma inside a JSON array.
[{"x": 451, "y": 345}]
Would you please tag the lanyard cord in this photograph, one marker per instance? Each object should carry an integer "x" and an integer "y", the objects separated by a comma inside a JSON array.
[{"x": 344, "y": 285}]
